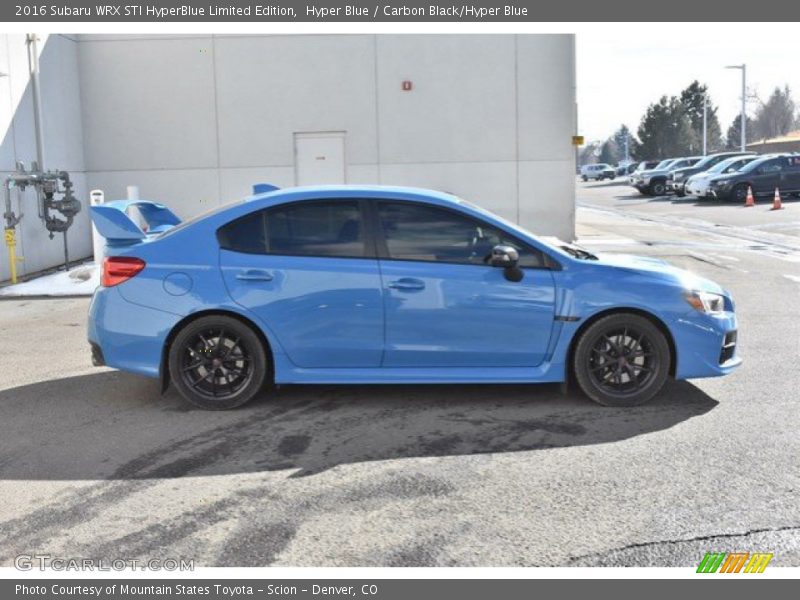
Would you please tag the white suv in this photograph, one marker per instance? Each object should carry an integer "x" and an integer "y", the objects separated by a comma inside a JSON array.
[{"x": 599, "y": 172}]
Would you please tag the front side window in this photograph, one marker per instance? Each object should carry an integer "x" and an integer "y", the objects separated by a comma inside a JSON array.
[
  {"x": 299, "y": 229},
  {"x": 773, "y": 166},
  {"x": 425, "y": 233}
]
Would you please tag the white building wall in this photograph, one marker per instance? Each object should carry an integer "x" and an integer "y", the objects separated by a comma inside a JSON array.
[
  {"x": 63, "y": 148},
  {"x": 196, "y": 120}
]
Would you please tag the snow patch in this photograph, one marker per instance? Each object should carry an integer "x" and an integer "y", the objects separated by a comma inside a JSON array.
[{"x": 78, "y": 281}]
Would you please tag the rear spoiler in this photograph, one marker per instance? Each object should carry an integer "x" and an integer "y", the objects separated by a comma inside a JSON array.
[{"x": 113, "y": 222}]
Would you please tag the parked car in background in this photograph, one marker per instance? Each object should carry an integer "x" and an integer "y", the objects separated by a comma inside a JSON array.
[
  {"x": 390, "y": 285},
  {"x": 676, "y": 180},
  {"x": 644, "y": 165},
  {"x": 653, "y": 182},
  {"x": 626, "y": 168},
  {"x": 763, "y": 176},
  {"x": 598, "y": 172},
  {"x": 697, "y": 185}
]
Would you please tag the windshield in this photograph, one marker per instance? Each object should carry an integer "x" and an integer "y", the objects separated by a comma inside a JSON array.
[
  {"x": 722, "y": 165},
  {"x": 705, "y": 162},
  {"x": 664, "y": 164},
  {"x": 737, "y": 162},
  {"x": 752, "y": 166}
]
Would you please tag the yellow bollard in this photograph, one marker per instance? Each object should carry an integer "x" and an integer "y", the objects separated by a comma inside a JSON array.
[{"x": 11, "y": 242}]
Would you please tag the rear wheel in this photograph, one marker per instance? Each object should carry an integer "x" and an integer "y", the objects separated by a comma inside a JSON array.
[
  {"x": 217, "y": 363},
  {"x": 621, "y": 360},
  {"x": 585, "y": 178}
]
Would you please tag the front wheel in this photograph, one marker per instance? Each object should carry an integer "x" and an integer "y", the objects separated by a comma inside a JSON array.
[
  {"x": 621, "y": 360},
  {"x": 217, "y": 363},
  {"x": 658, "y": 188},
  {"x": 585, "y": 178},
  {"x": 739, "y": 194}
]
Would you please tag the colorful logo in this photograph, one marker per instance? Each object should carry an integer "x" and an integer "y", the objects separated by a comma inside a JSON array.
[{"x": 734, "y": 562}]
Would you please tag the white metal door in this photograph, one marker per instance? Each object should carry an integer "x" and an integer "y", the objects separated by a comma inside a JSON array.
[{"x": 319, "y": 158}]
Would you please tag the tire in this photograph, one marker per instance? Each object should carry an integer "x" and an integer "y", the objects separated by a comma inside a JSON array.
[
  {"x": 657, "y": 188},
  {"x": 621, "y": 360},
  {"x": 681, "y": 194},
  {"x": 585, "y": 178},
  {"x": 739, "y": 193},
  {"x": 227, "y": 350}
]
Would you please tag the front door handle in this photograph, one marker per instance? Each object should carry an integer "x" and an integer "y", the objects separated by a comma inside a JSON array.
[
  {"x": 407, "y": 284},
  {"x": 254, "y": 275}
]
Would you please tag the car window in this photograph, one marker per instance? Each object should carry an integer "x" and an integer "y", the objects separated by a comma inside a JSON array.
[
  {"x": 772, "y": 166},
  {"x": 430, "y": 234},
  {"x": 323, "y": 229}
]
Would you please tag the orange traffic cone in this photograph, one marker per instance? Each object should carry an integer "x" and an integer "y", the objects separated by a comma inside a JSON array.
[
  {"x": 749, "y": 201},
  {"x": 776, "y": 203}
]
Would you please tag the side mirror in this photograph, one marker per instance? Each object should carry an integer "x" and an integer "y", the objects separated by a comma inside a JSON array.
[
  {"x": 504, "y": 256},
  {"x": 507, "y": 257}
]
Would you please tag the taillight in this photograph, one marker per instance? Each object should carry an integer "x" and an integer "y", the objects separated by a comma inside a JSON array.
[{"x": 117, "y": 269}]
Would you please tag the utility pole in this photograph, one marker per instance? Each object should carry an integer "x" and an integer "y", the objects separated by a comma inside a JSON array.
[
  {"x": 705, "y": 124},
  {"x": 743, "y": 68}
]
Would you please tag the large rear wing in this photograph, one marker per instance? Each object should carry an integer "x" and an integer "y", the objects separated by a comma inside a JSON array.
[{"x": 115, "y": 224}]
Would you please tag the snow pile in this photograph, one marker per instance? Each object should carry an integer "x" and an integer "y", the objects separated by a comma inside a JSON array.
[{"x": 78, "y": 281}]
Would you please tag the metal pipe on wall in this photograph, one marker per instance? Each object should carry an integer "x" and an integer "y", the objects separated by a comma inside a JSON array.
[{"x": 33, "y": 66}]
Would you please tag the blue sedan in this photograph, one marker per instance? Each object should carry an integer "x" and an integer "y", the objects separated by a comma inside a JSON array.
[{"x": 372, "y": 284}]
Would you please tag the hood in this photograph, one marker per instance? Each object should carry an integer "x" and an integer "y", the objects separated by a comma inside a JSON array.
[
  {"x": 726, "y": 176},
  {"x": 651, "y": 172},
  {"x": 686, "y": 171},
  {"x": 657, "y": 267}
]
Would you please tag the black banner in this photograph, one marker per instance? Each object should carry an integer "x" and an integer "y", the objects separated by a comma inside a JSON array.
[
  {"x": 394, "y": 11},
  {"x": 383, "y": 589}
]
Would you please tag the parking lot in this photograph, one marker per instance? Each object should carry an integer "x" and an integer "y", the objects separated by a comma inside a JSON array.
[{"x": 96, "y": 463}]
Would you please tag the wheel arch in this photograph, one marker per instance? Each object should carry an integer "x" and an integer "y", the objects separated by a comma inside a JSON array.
[
  {"x": 163, "y": 370},
  {"x": 655, "y": 320}
]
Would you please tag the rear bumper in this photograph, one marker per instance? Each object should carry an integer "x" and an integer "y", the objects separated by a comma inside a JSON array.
[{"x": 127, "y": 336}]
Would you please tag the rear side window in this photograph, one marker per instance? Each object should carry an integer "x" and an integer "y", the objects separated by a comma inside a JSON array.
[{"x": 299, "y": 229}]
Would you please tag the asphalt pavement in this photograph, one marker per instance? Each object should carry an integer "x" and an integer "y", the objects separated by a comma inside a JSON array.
[{"x": 96, "y": 463}]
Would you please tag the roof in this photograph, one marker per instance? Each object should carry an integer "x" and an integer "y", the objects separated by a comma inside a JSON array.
[
  {"x": 363, "y": 191},
  {"x": 791, "y": 137}
]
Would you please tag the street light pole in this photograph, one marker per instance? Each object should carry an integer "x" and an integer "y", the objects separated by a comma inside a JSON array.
[
  {"x": 705, "y": 124},
  {"x": 743, "y": 127}
]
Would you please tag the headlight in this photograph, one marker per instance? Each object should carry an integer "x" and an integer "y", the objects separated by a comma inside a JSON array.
[
  {"x": 706, "y": 302},
  {"x": 678, "y": 176}
]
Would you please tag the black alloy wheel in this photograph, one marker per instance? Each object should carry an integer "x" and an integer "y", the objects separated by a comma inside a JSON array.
[
  {"x": 622, "y": 360},
  {"x": 217, "y": 363},
  {"x": 740, "y": 193}
]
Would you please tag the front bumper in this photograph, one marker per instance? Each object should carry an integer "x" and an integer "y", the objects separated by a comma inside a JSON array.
[
  {"x": 677, "y": 187},
  {"x": 707, "y": 345}
]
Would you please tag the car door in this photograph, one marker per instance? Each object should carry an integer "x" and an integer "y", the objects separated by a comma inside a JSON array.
[
  {"x": 444, "y": 306},
  {"x": 308, "y": 272},
  {"x": 791, "y": 176},
  {"x": 768, "y": 176}
]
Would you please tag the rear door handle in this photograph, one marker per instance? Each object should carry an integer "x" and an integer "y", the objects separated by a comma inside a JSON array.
[
  {"x": 254, "y": 275},
  {"x": 407, "y": 284}
]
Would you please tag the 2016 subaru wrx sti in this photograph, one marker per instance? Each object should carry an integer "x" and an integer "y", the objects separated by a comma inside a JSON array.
[{"x": 370, "y": 284}]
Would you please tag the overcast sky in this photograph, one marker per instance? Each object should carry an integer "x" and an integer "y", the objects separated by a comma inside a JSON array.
[{"x": 622, "y": 69}]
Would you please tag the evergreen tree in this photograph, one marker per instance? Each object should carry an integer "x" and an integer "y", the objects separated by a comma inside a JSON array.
[
  {"x": 734, "y": 136},
  {"x": 666, "y": 131},
  {"x": 692, "y": 100}
]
